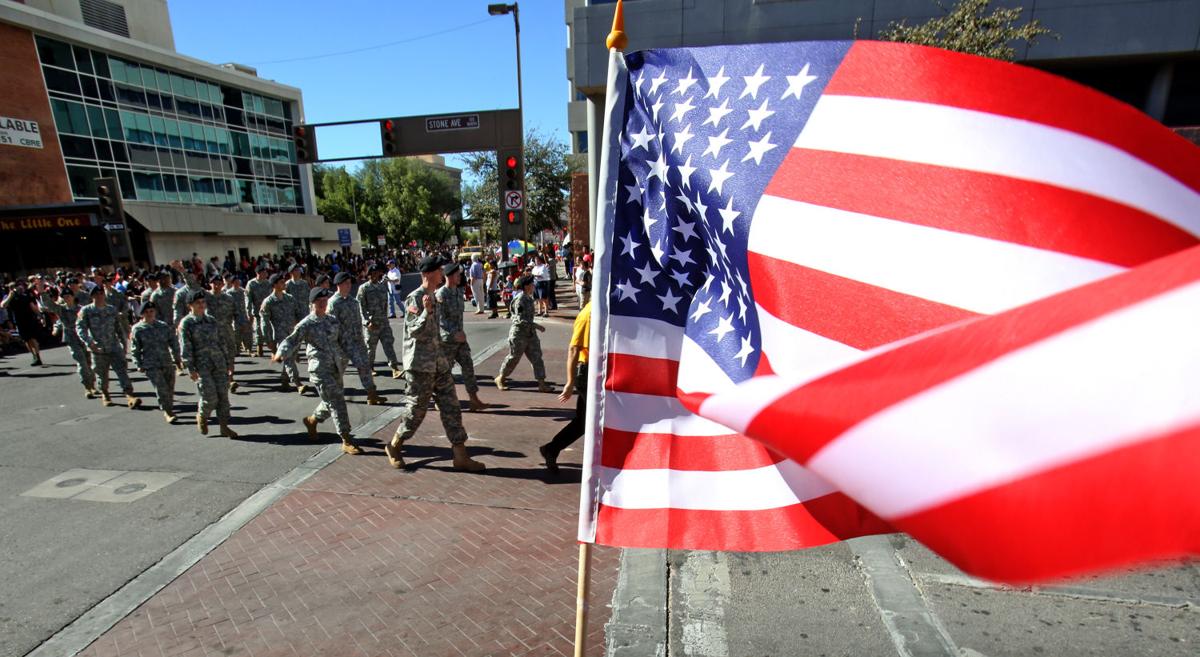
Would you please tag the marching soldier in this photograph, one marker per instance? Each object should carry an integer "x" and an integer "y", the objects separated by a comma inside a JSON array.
[
  {"x": 257, "y": 291},
  {"x": 156, "y": 353},
  {"x": 345, "y": 309},
  {"x": 242, "y": 328},
  {"x": 320, "y": 332},
  {"x": 523, "y": 338},
  {"x": 116, "y": 299},
  {"x": 223, "y": 308},
  {"x": 164, "y": 299},
  {"x": 279, "y": 314},
  {"x": 67, "y": 308},
  {"x": 97, "y": 326},
  {"x": 151, "y": 286},
  {"x": 373, "y": 297},
  {"x": 297, "y": 286},
  {"x": 323, "y": 282},
  {"x": 207, "y": 362},
  {"x": 454, "y": 338},
  {"x": 191, "y": 285},
  {"x": 427, "y": 373}
]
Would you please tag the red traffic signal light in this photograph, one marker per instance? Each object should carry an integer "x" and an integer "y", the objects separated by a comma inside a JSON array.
[
  {"x": 513, "y": 217},
  {"x": 511, "y": 162},
  {"x": 305, "y": 144},
  {"x": 387, "y": 132}
]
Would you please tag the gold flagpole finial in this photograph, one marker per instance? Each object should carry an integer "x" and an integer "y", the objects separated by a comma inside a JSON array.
[{"x": 616, "y": 38}]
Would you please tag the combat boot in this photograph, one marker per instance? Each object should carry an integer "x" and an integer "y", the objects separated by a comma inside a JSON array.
[
  {"x": 260, "y": 351},
  {"x": 133, "y": 402},
  {"x": 397, "y": 373},
  {"x": 105, "y": 398},
  {"x": 501, "y": 383},
  {"x": 284, "y": 384},
  {"x": 89, "y": 393},
  {"x": 233, "y": 386},
  {"x": 310, "y": 423},
  {"x": 227, "y": 432},
  {"x": 348, "y": 445},
  {"x": 464, "y": 463},
  {"x": 394, "y": 457},
  {"x": 202, "y": 422},
  {"x": 550, "y": 459},
  {"x": 170, "y": 418},
  {"x": 373, "y": 398},
  {"x": 301, "y": 389},
  {"x": 544, "y": 387},
  {"x": 476, "y": 404}
]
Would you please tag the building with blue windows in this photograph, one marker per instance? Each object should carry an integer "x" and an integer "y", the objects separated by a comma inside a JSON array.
[{"x": 202, "y": 153}]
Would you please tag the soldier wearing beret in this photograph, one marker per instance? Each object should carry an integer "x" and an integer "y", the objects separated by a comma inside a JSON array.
[
  {"x": 346, "y": 310},
  {"x": 223, "y": 308},
  {"x": 373, "y": 297},
  {"x": 280, "y": 313},
  {"x": 207, "y": 362},
  {"x": 67, "y": 308},
  {"x": 320, "y": 332},
  {"x": 451, "y": 306},
  {"x": 98, "y": 328},
  {"x": 155, "y": 353},
  {"x": 242, "y": 328},
  {"x": 427, "y": 373},
  {"x": 257, "y": 291},
  {"x": 297, "y": 285},
  {"x": 523, "y": 338}
]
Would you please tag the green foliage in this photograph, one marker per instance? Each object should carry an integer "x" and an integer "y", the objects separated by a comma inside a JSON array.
[
  {"x": 547, "y": 181},
  {"x": 397, "y": 197},
  {"x": 969, "y": 27}
]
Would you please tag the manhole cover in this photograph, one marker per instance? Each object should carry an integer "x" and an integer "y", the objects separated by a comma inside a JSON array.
[
  {"x": 67, "y": 483},
  {"x": 128, "y": 489}
]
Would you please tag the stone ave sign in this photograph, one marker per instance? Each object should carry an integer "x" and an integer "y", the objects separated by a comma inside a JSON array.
[{"x": 19, "y": 132}]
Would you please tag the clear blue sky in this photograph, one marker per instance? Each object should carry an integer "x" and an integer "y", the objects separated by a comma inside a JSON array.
[{"x": 472, "y": 68}]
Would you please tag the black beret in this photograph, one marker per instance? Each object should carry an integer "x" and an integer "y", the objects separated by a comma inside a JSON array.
[
  {"x": 429, "y": 264},
  {"x": 322, "y": 279},
  {"x": 275, "y": 278},
  {"x": 142, "y": 308},
  {"x": 95, "y": 290},
  {"x": 295, "y": 267},
  {"x": 228, "y": 276},
  {"x": 376, "y": 267},
  {"x": 318, "y": 293},
  {"x": 197, "y": 295},
  {"x": 342, "y": 277},
  {"x": 451, "y": 269},
  {"x": 262, "y": 267}
]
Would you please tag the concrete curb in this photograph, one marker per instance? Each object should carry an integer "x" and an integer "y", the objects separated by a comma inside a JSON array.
[
  {"x": 93, "y": 623},
  {"x": 638, "y": 627}
]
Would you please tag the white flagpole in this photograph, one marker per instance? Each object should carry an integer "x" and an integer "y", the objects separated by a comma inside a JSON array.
[{"x": 606, "y": 200}]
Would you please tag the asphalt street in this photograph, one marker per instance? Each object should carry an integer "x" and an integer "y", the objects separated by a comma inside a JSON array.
[{"x": 92, "y": 496}]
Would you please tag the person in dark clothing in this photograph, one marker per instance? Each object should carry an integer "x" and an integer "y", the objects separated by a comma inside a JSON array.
[
  {"x": 22, "y": 305},
  {"x": 577, "y": 379}
]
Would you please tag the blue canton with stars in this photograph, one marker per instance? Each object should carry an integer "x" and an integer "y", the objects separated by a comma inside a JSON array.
[{"x": 705, "y": 131}]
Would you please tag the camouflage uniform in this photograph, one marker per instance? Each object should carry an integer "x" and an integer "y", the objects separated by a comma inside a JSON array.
[
  {"x": 298, "y": 288},
  {"x": 451, "y": 306},
  {"x": 118, "y": 300},
  {"x": 373, "y": 297},
  {"x": 279, "y": 315},
  {"x": 523, "y": 338},
  {"x": 349, "y": 317},
  {"x": 164, "y": 300},
  {"x": 181, "y": 298},
  {"x": 427, "y": 373},
  {"x": 324, "y": 351},
  {"x": 256, "y": 292},
  {"x": 243, "y": 332},
  {"x": 98, "y": 330},
  {"x": 205, "y": 353},
  {"x": 67, "y": 317},
  {"x": 155, "y": 351},
  {"x": 223, "y": 309}
]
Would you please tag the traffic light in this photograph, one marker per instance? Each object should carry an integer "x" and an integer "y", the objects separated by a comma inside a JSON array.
[
  {"x": 511, "y": 176},
  {"x": 389, "y": 132},
  {"x": 512, "y": 217},
  {"x": 305, "y": 139},
  {"x": 108, "y": 194}
]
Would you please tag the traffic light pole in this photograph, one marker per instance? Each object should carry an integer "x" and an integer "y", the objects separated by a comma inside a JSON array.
[{"x": 521, "y": 114}]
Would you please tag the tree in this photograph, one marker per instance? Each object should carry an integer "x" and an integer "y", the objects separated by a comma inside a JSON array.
[
  {"x": 338, "y": 194},
  {"x": 547, "y": 181},
  {"x": 968, "y": 27},
  {"x": 397, "y": 197}
]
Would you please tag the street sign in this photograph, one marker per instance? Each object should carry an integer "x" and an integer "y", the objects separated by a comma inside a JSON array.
[
  {"x": 459, "y": 122},
  {"x": 19, "y": 132},
  {"x": 381, "y": 240},
  {"x": 114, "y": 226},
  {"x": 514, "y": 200},
  {"x": 343, "y": 237}
]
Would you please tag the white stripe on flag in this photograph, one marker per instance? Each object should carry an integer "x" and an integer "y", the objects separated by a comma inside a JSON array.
[
  {"x": 990, "y": 143},
  {"x": 1094, "y": 388},
  {"x": 966, "y": 271},
  {"x": 649, "y": 338},
  {"x": 630, "y": 411},
  {"x": 800, "y": 353},
  {"x": 769, "y": 487}
]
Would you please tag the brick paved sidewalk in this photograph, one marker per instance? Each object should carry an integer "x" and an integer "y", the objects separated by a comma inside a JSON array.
[{"x": 365, "y": 560}]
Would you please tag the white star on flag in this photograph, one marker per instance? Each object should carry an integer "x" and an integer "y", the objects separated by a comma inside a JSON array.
[
  {"x": 728, "y": 215},
  {"x": 681, "y": 278},
  {"x": 745, "y": 351},
  {"x": 719, "y": 176},
  {"x": 685, "y": 172},
  {"x": 647, "y": 273},
  {"x": 670, "y": 301},
  {"x": 640, "y": 139},
  {"x": 724, "y": 326},
  {"x": 681, "y": 138},
  {"x": 797, "y": 82},
  {"x": 635, "y": 193},
  {"x": 658, "y": 82},
  {"x": 715, "y": 83},
  {"x": 683, "y": 257},
  {"x": 681, "y": 110},
  {"x": 715, "y": 114},
  {"x": 702, "y": 309},
  {"x": 685, "y": 228},
  {"x": 627, "y": 291},
  {"x": 759, "y": 148},
  {"x": 685, "y": 83},
  {"x": 753, "y": 82},
  {"x": 631, "y": 245},
  {"x": 757, "y": 116},
  {"x": 715, "y": 144}
]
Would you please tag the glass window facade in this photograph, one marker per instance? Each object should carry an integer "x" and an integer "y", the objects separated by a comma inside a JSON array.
[{"x": 168, "y": 136}]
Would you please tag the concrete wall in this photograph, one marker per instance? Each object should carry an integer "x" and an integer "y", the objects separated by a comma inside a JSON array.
[
  {"x": 149, "y": 20},
  {"x": 30, "y": 176},
  {"x": 165, "y": 247},
  {"x": 1089, "y": 28}
]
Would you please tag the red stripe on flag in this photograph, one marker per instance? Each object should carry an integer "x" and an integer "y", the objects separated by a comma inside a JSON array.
[
  {"x": 842, "y": 309},
  {"x": 641, "y": 375},
  {"x": 820, "y": 521},
  {"x": 826, "y": 411},
  {"x": 982, "y": 204},
  {"x": 658, "y": 451},
  {"x": 1140, "y": 498},
  {"x": 930, "y": 75}
]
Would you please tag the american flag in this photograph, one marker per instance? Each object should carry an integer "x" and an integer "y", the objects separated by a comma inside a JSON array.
[{"x": 789, "y": 213}]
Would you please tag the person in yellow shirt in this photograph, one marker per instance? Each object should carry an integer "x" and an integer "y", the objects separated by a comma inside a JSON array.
[{"x": 577, "y": 379}]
